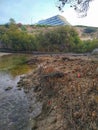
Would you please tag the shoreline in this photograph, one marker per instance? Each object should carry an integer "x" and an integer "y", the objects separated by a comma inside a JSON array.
[
  {"x": 3, "y": 53},
  {"x": 62, "y": 84}
]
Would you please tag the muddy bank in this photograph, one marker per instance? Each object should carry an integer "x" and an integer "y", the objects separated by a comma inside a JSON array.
[{"x": 67, "y": 88}]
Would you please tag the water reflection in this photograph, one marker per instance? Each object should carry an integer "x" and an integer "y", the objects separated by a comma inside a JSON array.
[{"x": 16, "y": 64}]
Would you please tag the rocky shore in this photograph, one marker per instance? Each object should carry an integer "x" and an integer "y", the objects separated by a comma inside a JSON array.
[{"x": 66, "y": 89}]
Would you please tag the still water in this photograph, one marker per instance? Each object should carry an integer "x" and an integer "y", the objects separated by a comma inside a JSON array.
[{"x": 13, "y": 102}]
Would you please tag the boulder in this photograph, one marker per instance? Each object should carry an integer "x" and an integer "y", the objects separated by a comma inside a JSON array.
[
  {"x": 95, "y": 51},
  {"x": 8, "y": 88}
]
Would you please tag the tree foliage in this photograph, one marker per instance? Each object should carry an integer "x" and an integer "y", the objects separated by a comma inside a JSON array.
[
  {"x": 81, "y": 6},
  {"x": 59, "y": 39},
  {"x": 11, "y": 21}
]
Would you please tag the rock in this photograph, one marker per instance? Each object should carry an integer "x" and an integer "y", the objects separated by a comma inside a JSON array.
[
  {"x": 19, "y": 85},
  {"x": 26, "y": 90},
  {"x": 37, "y": 88},
  {"x": 54, "y": 75},
  {"x": 19, "y": 88},
  {"x": 66, "y": 59},
  {"x": 32, "y": 61},
  {"x": 95, "y": 51},
  {"x": 8, "y": 88}
]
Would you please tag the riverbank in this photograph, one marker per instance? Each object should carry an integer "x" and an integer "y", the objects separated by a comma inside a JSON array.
[
  {"x": 2, "y": 53},
  {"x": 67, "y": 86}
]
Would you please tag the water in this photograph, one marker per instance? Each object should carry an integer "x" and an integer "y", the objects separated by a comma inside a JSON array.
[
  {"x": 15, "y": 113},
  {"x": 13, "y": 105}
]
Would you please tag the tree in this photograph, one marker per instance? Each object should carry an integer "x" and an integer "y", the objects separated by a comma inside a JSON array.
[
  {"x": 81, "y": 6},
  {"x": 12, "y": 21},
  {"x": 12, "y": 24}
]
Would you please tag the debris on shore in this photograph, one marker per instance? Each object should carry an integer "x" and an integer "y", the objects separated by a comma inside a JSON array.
[{"x": 67, "y": 86}]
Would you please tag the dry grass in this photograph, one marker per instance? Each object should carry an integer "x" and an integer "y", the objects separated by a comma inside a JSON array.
[
  {"x": 75, "y": 93},
  {"x": 68, "y": 88}
]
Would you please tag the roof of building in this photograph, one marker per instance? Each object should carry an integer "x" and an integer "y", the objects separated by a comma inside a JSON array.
[{"x": 54, "y": 21}]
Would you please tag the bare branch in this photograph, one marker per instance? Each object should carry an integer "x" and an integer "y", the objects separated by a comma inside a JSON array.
[{"x": 80, "y": 6}]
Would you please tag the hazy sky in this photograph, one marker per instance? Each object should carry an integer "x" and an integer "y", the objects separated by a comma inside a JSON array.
[{"x": 31, "y": 11}]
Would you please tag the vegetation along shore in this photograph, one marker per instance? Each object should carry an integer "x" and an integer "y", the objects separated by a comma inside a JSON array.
[{"x": 28, "y": 38}]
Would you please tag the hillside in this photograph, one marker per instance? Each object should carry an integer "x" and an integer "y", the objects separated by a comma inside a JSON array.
[{"x": 85, "y": 32}]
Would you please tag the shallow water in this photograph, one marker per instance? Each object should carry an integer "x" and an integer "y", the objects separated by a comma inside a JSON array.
[{"x": 13, "y": 105}]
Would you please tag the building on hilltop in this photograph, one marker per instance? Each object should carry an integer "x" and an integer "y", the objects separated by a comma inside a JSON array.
[{"x": 57, "y": 20}]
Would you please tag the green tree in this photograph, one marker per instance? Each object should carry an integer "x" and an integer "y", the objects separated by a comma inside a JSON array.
[
  {"x": 12, "y": 21},
  {"x": 60, "y": 39},
  {"x": 12, "y": 24},
  {"x": 6, "y": 42}
]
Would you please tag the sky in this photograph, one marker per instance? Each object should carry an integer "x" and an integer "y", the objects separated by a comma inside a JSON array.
[{"x": 31, "y": 11}]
